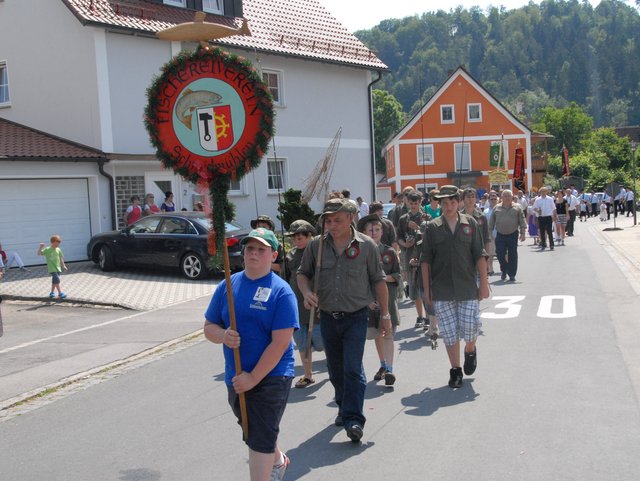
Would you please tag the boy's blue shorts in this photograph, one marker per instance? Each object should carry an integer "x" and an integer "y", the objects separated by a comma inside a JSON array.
[
  {"x": 265, "y": 407},
  {"x": 301, "y": 335},
  {"x": 55, "y": 278}
]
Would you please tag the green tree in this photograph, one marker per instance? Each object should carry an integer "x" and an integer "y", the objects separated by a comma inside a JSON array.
[
  {"x": 388, "y": 118},
  {"x": 294, "y": 209},
  {"x": 570, "y": 127}
]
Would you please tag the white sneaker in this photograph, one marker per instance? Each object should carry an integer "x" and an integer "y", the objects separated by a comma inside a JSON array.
[{"x": 277, "y": 473}]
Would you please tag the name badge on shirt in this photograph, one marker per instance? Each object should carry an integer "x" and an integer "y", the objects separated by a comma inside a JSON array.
[{"x": 262, "y": 294}]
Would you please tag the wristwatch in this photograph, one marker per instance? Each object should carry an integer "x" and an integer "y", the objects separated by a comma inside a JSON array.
[{"x": 386, "y": 316}]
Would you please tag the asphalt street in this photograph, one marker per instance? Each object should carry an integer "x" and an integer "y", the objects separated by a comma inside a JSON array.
[{"x": 555, "y": 397}]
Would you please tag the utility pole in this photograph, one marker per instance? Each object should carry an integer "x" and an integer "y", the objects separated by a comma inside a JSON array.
[{"x": 634, "y": 146}]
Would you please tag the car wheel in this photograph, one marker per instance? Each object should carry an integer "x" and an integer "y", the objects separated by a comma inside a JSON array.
[
  {"x": 192, "y": 266},
  {"x": 105, "y": 259}
]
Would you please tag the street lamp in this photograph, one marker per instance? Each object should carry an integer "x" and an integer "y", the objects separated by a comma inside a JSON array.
[{"x": 634, "y": 146}]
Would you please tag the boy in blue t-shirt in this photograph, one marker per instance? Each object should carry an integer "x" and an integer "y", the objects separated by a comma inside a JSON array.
[
  {"x": 55, "y": 264},
  {"x": 266, "y": 317}
]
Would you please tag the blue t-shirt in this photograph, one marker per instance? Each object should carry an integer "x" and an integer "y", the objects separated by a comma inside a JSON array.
[{"x": 262, "y": 305}]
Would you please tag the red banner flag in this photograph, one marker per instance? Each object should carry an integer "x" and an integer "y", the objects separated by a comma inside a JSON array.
[
  {"x": 518, "y": 169},
  {"x": 565, "y": 161}
]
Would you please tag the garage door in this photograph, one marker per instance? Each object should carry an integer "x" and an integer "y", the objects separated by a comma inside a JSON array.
[{"x": 32, "y": 210}]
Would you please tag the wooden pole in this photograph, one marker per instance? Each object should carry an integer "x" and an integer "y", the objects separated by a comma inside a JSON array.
[
  {"x": 316, "y": 276},
  {"x": 236, "y": 352}
]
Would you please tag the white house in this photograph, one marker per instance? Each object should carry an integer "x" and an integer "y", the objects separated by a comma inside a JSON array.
[{"x": 78, "y": 70}]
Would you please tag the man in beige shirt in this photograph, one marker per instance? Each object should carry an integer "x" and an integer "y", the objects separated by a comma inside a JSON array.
[
  {"x": 349, "y": 279},
  {"x": 507, "y": 219}
]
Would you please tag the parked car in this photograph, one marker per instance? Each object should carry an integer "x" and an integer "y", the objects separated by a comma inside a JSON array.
[{"x": 176, "y": 240}]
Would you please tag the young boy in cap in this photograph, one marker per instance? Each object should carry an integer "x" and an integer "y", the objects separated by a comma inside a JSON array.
[
  {"x": 408, "y": 237},
  {"x": 266, "y": 317},
  {"x": 301, "y": 232},
  {"x": 266, "y": 222},
  {"x": 349, "y": 274},
  {"x": 372, "y": 226},
  {"x": 452, "y": 259}
]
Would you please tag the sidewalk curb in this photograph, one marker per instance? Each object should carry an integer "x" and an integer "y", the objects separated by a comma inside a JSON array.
[{"x": 47, "y": 394}]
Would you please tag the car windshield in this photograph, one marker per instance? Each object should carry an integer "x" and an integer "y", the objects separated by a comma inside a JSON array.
[{"x": 228, "y": 226}]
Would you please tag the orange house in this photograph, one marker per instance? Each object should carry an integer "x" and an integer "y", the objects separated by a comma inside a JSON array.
[{"x": 458, "y": 137}]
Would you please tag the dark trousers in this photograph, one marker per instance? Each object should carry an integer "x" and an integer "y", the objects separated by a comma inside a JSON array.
[
  {"x": 629, "y": 207},
  {"x": 608, "y": 210},
  {"x": 545, "y": 224},
  {"x": 507, "y": 253},
  {"x": 344, "y": 341},
  {"x": 594, "y": 210},
  {"x": 571, "y": 222}
]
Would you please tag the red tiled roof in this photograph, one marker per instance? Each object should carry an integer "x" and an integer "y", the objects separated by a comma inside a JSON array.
[
  {"x": 293, "y": 27},
  {"x": 18, "y": 142}
]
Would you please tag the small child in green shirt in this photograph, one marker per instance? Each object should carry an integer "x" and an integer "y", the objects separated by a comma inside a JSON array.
[{"x": 55, "y": 264}]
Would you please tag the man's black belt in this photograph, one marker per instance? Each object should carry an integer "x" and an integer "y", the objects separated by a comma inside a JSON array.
[{"x": 341, "y": 314}]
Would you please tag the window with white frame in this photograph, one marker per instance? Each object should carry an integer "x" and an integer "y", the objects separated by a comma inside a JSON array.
[
  {"x": 474, "y": 112},
  {"x": 276, "y": 175},
  {"x": 4, "y": 84},
  {"x": 426, "y": 188},
  {"x": 273, "y": 80},
  {"x": 462, "y": 155},
  {"x": 175, "y": 3},
  {"x": 237, "y": 187},
  {"x": 447, "y": 114},
  {"x": 213, "y": 6},
  {"x": 425, "y": 154}
]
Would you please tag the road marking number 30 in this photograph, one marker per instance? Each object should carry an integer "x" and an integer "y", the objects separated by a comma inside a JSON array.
[{"x": 565, "y": 307}]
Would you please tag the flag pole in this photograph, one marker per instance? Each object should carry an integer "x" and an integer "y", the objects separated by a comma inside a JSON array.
[
  {"x": 316, "y": 276},
  {"x": 236, "y": 351}
]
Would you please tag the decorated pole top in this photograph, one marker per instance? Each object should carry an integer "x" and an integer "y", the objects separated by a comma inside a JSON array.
[{"x": 209, "y": 115}]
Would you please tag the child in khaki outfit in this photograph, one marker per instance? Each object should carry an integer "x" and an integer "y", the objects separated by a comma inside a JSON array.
[{"x": 55, "y": 263}]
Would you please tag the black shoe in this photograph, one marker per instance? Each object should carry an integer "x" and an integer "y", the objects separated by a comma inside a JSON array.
[
  {"x": 503, "y": 276},
  {"x": 419, "y": 322},
  {"x": 470, "y": 362},
  {"x": 406, "y": 291},
  {"x": 542, "y": 247},
  {"x": 389, "y": 378},
  {"x": 455, "y": 377},
  {"x": 512, "y": 278},
  {"x": 355, "y": 433},
  {"x": 339, "y": 421},
  {"x": 551, "y": 248},
  {"x": 380, "y": 374},
  {"x": 425, "y": 323}
]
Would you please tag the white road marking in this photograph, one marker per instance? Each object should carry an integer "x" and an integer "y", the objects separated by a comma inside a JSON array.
[{"x": 87, "y": 328}]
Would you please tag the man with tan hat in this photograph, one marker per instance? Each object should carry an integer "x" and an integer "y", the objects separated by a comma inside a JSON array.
[
  {"x": 349, "y": 278},
  {"x": 452, "y": 260}
]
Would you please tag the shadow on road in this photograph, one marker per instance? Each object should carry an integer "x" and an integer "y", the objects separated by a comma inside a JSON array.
[
  {"x": 318, "y": 451},
  {"x": 428, "y": 401}
]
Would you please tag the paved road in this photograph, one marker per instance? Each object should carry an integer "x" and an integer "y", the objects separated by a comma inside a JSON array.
[{"x": 555, "y": 397}]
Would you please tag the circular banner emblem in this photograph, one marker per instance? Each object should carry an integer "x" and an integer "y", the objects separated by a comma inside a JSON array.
[{"x": 209, "y": 114}]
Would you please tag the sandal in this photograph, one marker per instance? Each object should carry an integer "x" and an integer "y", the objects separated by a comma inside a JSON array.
[{"x": 304, "y": 382}]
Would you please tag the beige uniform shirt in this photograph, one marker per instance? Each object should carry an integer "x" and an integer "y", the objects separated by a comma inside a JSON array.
[
  {"x": 507, "y": 220},
  {"x": 345, "y": 280}
]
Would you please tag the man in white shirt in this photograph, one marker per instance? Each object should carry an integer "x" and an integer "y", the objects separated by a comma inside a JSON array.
[
  {"x": 595, "y": 208},
  {"x": 363, "y": 207},
  {"x": 546, "y": 209},
  {"x": 585, "y": 199},
  {"x": 572, "y": 203},
  {"x": 630, "y": 198}
]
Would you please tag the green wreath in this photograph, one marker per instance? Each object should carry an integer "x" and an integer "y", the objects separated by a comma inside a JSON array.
[{"x": 204, "y": 173}]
